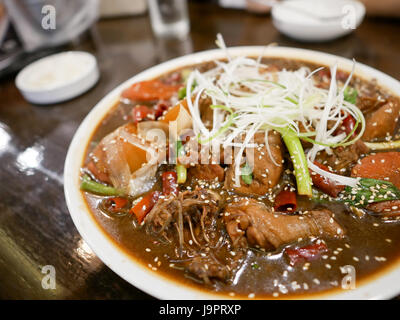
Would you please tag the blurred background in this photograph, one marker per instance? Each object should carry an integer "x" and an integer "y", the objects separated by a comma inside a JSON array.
[{"x": 127, "y": 37}]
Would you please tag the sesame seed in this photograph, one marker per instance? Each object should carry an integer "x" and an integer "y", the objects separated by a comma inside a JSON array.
[
  {"x": 283, "y": 289},
  {"x": 380, "y": 259}
]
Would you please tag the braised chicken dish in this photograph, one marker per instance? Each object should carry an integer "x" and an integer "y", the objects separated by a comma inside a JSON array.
[{"x": 251, "y": 176}]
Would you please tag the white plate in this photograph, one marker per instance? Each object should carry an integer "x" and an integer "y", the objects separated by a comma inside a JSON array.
[{"x": 386, "y": 285}]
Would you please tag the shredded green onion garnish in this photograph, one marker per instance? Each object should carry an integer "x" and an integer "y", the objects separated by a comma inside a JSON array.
[
  {"x": 386, "y": 145},
  {"x": 181, "y": 173},
  {"x": 266, "y": 81},
  {"x": 247, "y": 175},
  {"x": 222, "y": 129},
  {"x": 333, "y": 145},
  {"x": 302, "y": 174},
  {"x": 181, "y": 170},
  {"x": 350, "y": 95},
  {"x": 182, "y": 93},
  {"x": 91, "y": 186},
  {"x": 255, "y": 99},
  {"x": 291, "y": 100}
]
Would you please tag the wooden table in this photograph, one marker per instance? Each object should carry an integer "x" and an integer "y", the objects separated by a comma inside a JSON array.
[{"x": 35, "y": 226}]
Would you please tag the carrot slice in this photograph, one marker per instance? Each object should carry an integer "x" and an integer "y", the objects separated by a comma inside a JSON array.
[
  {"x": 381, "y": 166},
  {"x": 150, "y": 91},
  {"x": 173, "y": 113},
  {"x": 285, "y": 201}
]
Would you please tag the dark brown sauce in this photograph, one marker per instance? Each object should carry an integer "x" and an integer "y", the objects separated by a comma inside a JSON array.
[{"x": 370, "y": 245}]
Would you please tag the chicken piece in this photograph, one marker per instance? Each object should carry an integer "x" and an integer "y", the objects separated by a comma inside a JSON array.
[
  {"x": 342, "y": 157},
  {"x": 197, "y": 208},
  {"x": 207, "y": 172},
  {"x": 386, "y": 208},
  {"x": 383, "y": 121},
  {"x": 206, "y": 268},
  {"x": 251, "y": 223},
  {"x": 206, "y": 112},
  {"x": 370, "y": 103},
  {"x": 266, "y": 173}
]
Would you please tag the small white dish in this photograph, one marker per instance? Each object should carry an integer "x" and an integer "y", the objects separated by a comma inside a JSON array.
[
  {"x": 317, "y": 20},
  {"x": 382, "y": 285},
  {"x": 58, "y": 77}
]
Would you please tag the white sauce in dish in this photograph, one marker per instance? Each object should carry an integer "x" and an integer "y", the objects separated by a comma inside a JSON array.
[{"x": 58, "y": 77}]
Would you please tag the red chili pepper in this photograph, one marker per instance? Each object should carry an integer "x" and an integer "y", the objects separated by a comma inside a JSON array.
[
  {"x": 324, "y": 73},
  {"x": 118, "y": 203},
  {"x": 341, "y": 75},
  {"x": 140, "y": 112},
  {"x": 306, "y": 253},
  {"x": 347, "y": 126},
  {"x": 159, "y": 109},
  {"x": 169, "y": 183},
  {"x": 326, "y": 185},
  {"x": 349, "y": 123},
  {"x": 144, "y": 206},
  {"x": 285, "y": 201}
]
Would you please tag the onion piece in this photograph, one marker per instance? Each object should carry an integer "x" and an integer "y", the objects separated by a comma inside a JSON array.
[
  {"x": 131, "y": 161},
  {"x": 117, "y": 167},
  {"x": 144, "y": 126}
]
